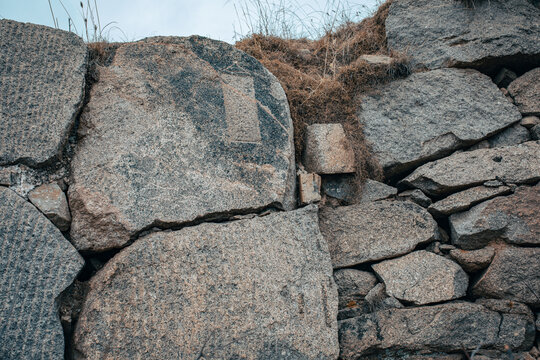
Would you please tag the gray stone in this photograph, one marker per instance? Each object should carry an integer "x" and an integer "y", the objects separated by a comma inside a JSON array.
[
  {"x": 377, "y": 60},
  {"x": 342, "y": 187},
  {"x": 377, "y": 299},
  {"x": 52, "y": 202},
  {"x": 328, "y": 150},
  {"x": 463, "y": 200},
  {"x": 514, "y": 274},
  {"x": 374, "y": 231},
  {"x": 518, "y": 164},
  {"x": 374, "y": 190},
  {"x": 416, "y": 196},
  {"x": 422, "y": 277},
  {"x": 7, "y": 176},
  {"x": 506, "y": 307},
  {"x": 491, "y": 34},
  {"x": 514, "y": 135},
  {"x": 513, "y": 219},
  {"x": 448, "y": 327},
  {"x": 474, "y": 260},
  {"x": 430, "y": 114},
  {"x": 504, "y": 77},
  {"x": 353, "y": 285},
  {"x": 37, "y": 263},
  {"x": 309, "y": 188},
  {"x": 42, "y": 76},
  {"x": 526, "y": 92},
  {"x": 178, "y": 130},
  {"x": 530, "y": 121},
  {"x": 256, "y": 289},
  {"x": 535, "y": 132},
  {"x": 484, "y": 144}
]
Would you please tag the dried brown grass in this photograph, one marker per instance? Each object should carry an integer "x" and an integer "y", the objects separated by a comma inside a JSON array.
[{"x": 323, "y": 78}]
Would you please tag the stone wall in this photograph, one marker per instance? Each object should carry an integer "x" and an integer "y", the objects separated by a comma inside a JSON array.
[{"x": 151, "y": 206}]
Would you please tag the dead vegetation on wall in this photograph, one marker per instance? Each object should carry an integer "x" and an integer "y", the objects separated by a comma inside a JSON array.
[{"x": 323, "y": 78}]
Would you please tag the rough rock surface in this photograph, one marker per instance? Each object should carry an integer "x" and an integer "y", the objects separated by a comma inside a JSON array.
[
  {"x": 374, "y": 231},
  {"x": 530, "y": 121},
  {"x": 309, "y": 188},
  {"x": 526, "y": 91},
  {"x": 513, "y": 219},
  {"x": 42, "y": 90},
  {"x": 328, "y": 150},
  {"x": 353, "y": 285},
  {"x": 416, "y": 196},
  {"x": 374, "y": 190},
  {"x": 253, "y": 289},
  {"x": 474, "y": 260},
  {"x": 512, "y": 164},
  {"x": 52, "y": 202},
  {"x": 446, "y": 328},
  {"x": 535, "y": 132},
  {"x": 463, "y": 200},
  {"x": 178, "y": 129},
  {"x": 514, "y": 135},
  {"x": 422, "y": 277},
  {"x": 514, "y": 274},
  {"x": 490, "y": 34},
  {"x": 430, "y": 114},
  {"x": 36, "y": 264}
]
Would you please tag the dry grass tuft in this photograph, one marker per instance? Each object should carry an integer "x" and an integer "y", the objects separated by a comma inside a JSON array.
[{"x": 323, "y": 78}]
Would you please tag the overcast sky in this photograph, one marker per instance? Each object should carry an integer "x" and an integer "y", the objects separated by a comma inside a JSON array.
[{"x": 218, "y": 19}]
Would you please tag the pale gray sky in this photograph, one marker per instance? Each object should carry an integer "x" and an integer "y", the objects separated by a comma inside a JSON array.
[{"x": 217, "y": 19}]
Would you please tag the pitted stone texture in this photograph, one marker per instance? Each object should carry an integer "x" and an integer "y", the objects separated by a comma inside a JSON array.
[
  {"x": 463, "y": 200},
  {"x": 513, "y": 219},
  {"x": 374, "y": 231},
  {"x": 42, "y": 77},
  {"x": 36, "y": 264},
  {"x": 374, "y": 190},
  {"x": 514, "y": 274},
  {"x": 328, "y": 150},
  {"x": 490, "y": 34},
  {"x": 430, "y": 114},
  {"x": 474, "y": 260},
  {"x": 309, "y": 188},
  {"x": 253, "y": 289},
  {"x": 518, "y": 164},
  {"x": 448, "y": 327},
  {"x": 526, "y": 91},
  {"x": 178, "y": 129},
  {"x": 353, "y": 285},
  {"x": 422, "y": 278},
  {"x": 52, "y": 202}
]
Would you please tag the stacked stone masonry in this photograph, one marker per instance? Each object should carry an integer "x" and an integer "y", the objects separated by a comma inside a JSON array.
[{"x": 162, "y": 214}]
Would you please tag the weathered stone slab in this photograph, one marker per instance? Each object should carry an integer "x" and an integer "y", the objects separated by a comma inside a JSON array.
[
  {"x": 463, "y": 200},
  {"x": 514, "y": 135},
  {"x": 513, "y": 219},
  {"x": 328, "y": 150},
  {"x": 178, "y": 129},
  {"x": 374, "y": 190},
  {"x": 52, "y": 202},
  {"x": 512, "y": 164},
  {"x": 374, "y": 231},
  {"x": 36, "y": 264},
  {"x": 535, "y": 132},
  {"x": 488, "y": 35},
  {"x": 474, "y": 260},
  {"x": 309, "y": 188},
  {"x": 42, "y": 77},
  {"x": 530, "y": 122},
  {"x": 428, "y": 115},
  {"x": 514, "y": 274},
  {"x": 422, "y": 277},
  {"x": 416, "y": 196},
  {"x": 353, "y": 285},
  {"x": 254, "y": 289},
  {"x": 449, "y": 328},
  {"x": 526, "y": 91}
]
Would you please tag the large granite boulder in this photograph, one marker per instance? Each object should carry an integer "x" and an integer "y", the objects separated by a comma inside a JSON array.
[
  {"x": 514, "y": 274},
  {"x": 513, "y": 219},
  {"x": 259, "y": 288},
  {"x": 512, "y": 164},
  {"x": 526, "y": 92},
  {"x": 488, "y": 35},
  {"x": 36, "y": 264},
  {"x": 448, "y": 327},
  {"x": 375, "y": 230},
  {"x": 422, "y": 277},
  {"x": 42, "y": 77},
  {"x": 430, "y": 114},
  {"x": 178, "y": 130}
]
